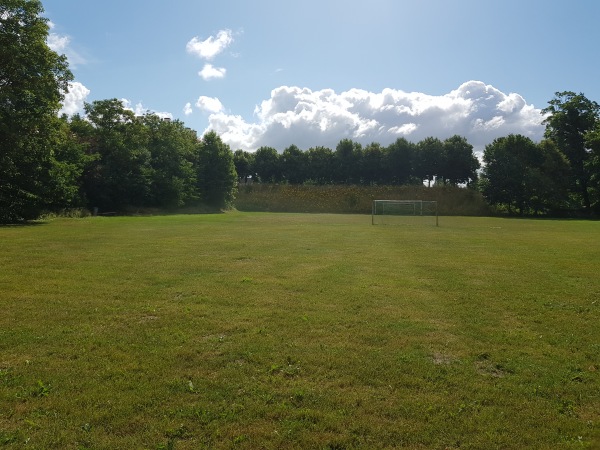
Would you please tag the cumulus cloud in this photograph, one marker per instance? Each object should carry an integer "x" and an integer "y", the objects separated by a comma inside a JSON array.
[
  {"x": 209, "y": 104},
  {"x": 306, "y": 118},
  {"x": 210, "y": 47},
  {"x": 74, "y": 99},
  {"x": 187, "y": 109},
  {"x": 210, "y": 72}
]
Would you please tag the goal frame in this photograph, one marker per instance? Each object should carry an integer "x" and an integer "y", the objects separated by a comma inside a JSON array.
[{"x": 416, "y": 204}]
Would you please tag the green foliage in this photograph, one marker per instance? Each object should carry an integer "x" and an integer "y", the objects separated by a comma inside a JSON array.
[
  {"x": 244, "y": 165},
  {"x": 372, "y": 163},
  {"x": 400, "y": 163},
  {"x": 216, "y": 171},
  {"x": 294, "y": 164},
  {"x": 267, "y": 165},
  {"x": 570, "y": 119},
  {"x": 429, "y": 159},
  {"x": 320, "y": 161},
  {"x": 33, "y": 80},
  {"x": 459, "y": 164},
  {"x": 172, "y": 150},
  {"x": 524, "y": 177},
  {"x": 121, "y": 173},
  {"x": 347, "y": 159}
]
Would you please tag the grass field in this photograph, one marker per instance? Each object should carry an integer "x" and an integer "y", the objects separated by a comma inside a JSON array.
[{"x": 258, "y": 330}]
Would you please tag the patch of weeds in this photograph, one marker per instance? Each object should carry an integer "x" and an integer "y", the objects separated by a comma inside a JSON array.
[
  {"x": 204, "y": 416},
  {"x": 567, "y": 408},
  {"x": 181, "y": 432},
  {"x": 41, "y": 390},
  {"x": 297, "y": 398},
  {"x": 8, "y": 378},
  {"x": 576, "y": 375},
  {"x": 239, "y": 439},
  {"x": 170, "y": 445},
  {"x": 7, "y": 438},
  {"x": 288, "y": 370}
]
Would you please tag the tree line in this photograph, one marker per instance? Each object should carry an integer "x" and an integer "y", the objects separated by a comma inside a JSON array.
[
  {"x": 451, "y": 161},
  {"x": 111, "y": 159}
]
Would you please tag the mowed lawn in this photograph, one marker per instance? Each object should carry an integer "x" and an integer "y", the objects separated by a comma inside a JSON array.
[{"x": 274, "y": 331}]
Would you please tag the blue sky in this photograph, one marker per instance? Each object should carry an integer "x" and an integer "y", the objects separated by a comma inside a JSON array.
[{"x": 312, "y": 72}]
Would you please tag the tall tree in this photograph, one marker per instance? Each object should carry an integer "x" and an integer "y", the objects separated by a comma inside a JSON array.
[
  {"x": 429, "y": 159},
  {"x": 267, "y": 165},
  {"x": 216, "y": 172},
  {"x": 33, "y": 80},
  {"x": 172, "y": 149},
  {"x": 372, "y": 164},
  {"x": 122, "y": 174},
  {"x": 347, "y": 157},
  {"x": 570, "y": 117},
  {"x": 505, "y": 175},
  {"x": 459, "y": 165},
  {"x": 320, "y": 165},
  {"x": 244, "y": 165},
  {"x": 294, "y": 164},
  {"x": 399, "y": 161},
  {"x": 523, "y": 176},
  {"x": 593, "y": 166}
]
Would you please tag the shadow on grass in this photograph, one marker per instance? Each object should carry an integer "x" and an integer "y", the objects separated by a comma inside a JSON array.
[{"x": 29, "y": 223}]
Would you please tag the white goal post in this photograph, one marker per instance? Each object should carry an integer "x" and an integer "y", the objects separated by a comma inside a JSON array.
[{"x": 389, "y": 211}]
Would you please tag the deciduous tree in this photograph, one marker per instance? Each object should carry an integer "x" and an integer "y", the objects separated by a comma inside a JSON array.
[
  {"x": 267, "y": 164},
  {"x": 399, "y": 161},
  {"x": 294, "y": 165},
  {"x": 429, "y": 159},
  {"x": 121, "y": 174},
  {"x": 570, "y": 117},
  {"x": 523, "y": 176},
  {"x": 216, "y": 172},
  {"x": 33, "y": 80},
  {"x": 459, "y": 164}
]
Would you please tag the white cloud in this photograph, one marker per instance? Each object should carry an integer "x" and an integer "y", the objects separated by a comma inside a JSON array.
[
  {"x": 74, "y": 99},
  {"x": 57, "y": 42},
  {"x": 209, "y": 72},
  {"x": 209, "y": 104},
  {"x": 210, "y": 47},
  {"x": 61, "y": 44},
  {"x": 187, "y": 109},
  {"x": 140, "y": 110},
  {"x": 306, "y": 118}
]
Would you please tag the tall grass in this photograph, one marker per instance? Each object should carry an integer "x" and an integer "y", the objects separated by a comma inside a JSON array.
[
  {"x": 275, "y": 331},
  {"x": 354, "y": 199}
]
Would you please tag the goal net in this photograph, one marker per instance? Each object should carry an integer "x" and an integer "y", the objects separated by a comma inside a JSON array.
[{"x": 405, "y": 212}]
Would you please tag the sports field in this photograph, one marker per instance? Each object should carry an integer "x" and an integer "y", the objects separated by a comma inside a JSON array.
[{"x": 274, "y": 331}]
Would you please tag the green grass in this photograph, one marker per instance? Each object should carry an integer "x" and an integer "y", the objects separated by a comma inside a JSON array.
[{"x": 257, "y": 330}]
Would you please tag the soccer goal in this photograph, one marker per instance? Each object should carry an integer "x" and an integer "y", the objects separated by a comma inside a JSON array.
[{"x": 405, "y": 212}]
